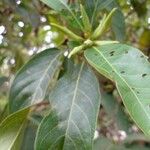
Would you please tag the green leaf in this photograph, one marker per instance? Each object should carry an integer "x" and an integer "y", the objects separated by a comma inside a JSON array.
[
  {"x": 60, "y": 5},
  {"x": 31, "y": 82},
  {"x": 102, "y": 143},
  {"x": 130, "y": 70},
  {"x": 104, "y": 24},
  {"x": 57, "y": 5},
  {"x": 118, "y": 21},
  {"x": 75, "y": 105},
  {"x": 93, "y": 6},
  {"x": 11, "y": 127},
  {"x": 68, "y": 32},
  {"x": 118, "y": 25},
  {"x": 85, "y": 20},
  {"x": 117, "y": 114},
  {"x": 29, "y": 137}
]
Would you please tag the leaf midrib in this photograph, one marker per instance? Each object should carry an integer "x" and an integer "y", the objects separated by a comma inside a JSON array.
[
  {"x": 124, "y": 82},
  {"x": 73, "y": 101}
]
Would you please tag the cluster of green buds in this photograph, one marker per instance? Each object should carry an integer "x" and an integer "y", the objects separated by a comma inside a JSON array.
[{"x": 93, "y": 38}]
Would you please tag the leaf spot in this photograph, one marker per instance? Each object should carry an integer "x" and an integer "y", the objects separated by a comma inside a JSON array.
[
  {"x": 143, "y": 75},
  {"x": 122, "y": 72},
  {"x": 112, "y": 53}
]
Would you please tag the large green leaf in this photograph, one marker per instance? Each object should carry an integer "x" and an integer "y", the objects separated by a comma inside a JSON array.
[
  {"x": 75, "y": 102},
  {"x": 10, "y": 129},
  {"x": 130, "y": 69},
  {"x": 31, "y": 82}
]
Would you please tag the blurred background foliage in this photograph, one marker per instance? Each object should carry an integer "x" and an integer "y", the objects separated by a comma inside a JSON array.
[{"x": 25, "y": 30}]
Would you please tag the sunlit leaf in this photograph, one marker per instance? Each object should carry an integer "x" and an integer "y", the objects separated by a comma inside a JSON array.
[{"x": 130, "y": 70}]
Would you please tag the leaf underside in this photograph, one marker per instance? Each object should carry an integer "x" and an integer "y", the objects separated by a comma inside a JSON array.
[
  {"x": 30, "y": 84},
  {"x": 130, "y": 69},
  {"x": 75, "y": 104}
]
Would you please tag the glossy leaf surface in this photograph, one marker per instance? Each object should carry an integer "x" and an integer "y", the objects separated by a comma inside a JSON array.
[
  {"x": 130, "y": 70},
  {"x": 72, "y": 121},
  {"x": 31, "y": 82}
]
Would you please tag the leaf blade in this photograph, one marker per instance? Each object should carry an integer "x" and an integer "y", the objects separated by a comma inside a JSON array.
[
  {"x": 30, "y": 84},
  {"x": 119, "y": 62},
  {"x": 70, "y": 132}
]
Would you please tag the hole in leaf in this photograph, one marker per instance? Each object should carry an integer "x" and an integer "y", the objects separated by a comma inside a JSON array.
[
  {"x": 138, "y": 92},
  {"x": 143, "y": 75},
  {"x": 142, "y": 56},
  {"x": 126, "y": 52}
]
